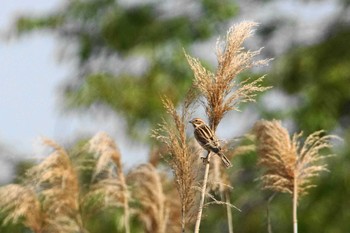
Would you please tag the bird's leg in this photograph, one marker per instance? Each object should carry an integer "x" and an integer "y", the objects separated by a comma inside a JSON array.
[{"x": 205, "y": 158}]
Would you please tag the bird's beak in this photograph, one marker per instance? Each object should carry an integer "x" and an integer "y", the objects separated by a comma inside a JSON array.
[{"x": 190, "y": 122}]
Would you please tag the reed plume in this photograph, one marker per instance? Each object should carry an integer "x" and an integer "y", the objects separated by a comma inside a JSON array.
[
  {"x": 49, "y": 200},
  {"x": 182, "y": 159},
  {"x": 108, "y": 184},
  {"x": 55, "y": 180},
  {"x": 19, "y": 202},
  {"x": 290, "y": 164},
  {"x": 221, "y": 90},
  {"x": 147, "y": 192}
]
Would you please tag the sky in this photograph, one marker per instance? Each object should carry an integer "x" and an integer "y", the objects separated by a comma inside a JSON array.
[
  {"x": 30, "y": 75},
  {"x": 28, "y": 78}
]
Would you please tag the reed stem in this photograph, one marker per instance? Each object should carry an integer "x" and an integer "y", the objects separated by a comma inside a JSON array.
[{"x": 203, "y": 191}]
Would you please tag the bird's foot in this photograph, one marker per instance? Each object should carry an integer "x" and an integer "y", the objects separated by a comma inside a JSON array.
[{"x": 204, "y": 159}]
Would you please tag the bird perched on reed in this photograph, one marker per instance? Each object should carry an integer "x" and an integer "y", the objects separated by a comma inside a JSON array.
[{"x": 207, "y": 139}]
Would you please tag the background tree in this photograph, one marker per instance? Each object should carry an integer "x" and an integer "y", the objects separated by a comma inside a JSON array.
[{"x": 128, "y": 55}]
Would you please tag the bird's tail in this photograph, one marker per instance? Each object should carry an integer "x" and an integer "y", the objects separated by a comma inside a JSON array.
[{"x": 225, "y": 160}]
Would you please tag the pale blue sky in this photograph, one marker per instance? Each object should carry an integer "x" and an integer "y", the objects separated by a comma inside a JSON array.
[
  {"x": 28, "y": 76},
  {"x": 28, "y": 79}
]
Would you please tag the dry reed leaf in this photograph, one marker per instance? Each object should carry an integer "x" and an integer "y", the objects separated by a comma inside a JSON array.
[{"x": 288, "y": 159}]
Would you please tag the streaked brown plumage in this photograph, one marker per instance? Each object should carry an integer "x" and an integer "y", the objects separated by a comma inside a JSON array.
[{"x": 207, "y": 139}]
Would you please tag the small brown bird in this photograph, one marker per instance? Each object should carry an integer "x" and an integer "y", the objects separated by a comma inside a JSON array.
[{"x": 207, "y": 139}]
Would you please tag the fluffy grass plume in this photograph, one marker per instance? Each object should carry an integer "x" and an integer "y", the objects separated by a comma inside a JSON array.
[
  {"x": 55, "y": 180},
  {"x": 221, "y": 90},
  {"x": 287, "y": 159},
  {"x": 290, "y": 164},
  {"x": 108, "y": 185}
]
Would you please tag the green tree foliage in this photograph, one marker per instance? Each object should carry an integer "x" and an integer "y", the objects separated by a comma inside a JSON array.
[
  {"x": 154, "y": 32},
  {"x": 319, "y": 76}
]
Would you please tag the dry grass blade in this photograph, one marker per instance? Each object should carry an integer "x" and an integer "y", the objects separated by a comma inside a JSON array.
[
  {"x": 108, "y": 181},
  {"x": 18, "y": 202},
  {"x": 221, "y": 90},
  {"x": 57, "y": 184},
  {"x": 182, "y": 159},
  {"x": 148, "y": 192},
  {"x": 218, "y": 202}
]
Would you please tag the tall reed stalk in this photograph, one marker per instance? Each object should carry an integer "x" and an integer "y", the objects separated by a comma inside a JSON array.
[
  {"x": 295, "y": 205},
  {"x": 203, "y": 192},
  {"x": 182, "y": 157},
  {"x": 229, "y": 213},
  {"x": 221, "y": 91}
]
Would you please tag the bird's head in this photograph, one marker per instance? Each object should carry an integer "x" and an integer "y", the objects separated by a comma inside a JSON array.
[{"x": 197, "y": 122}]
